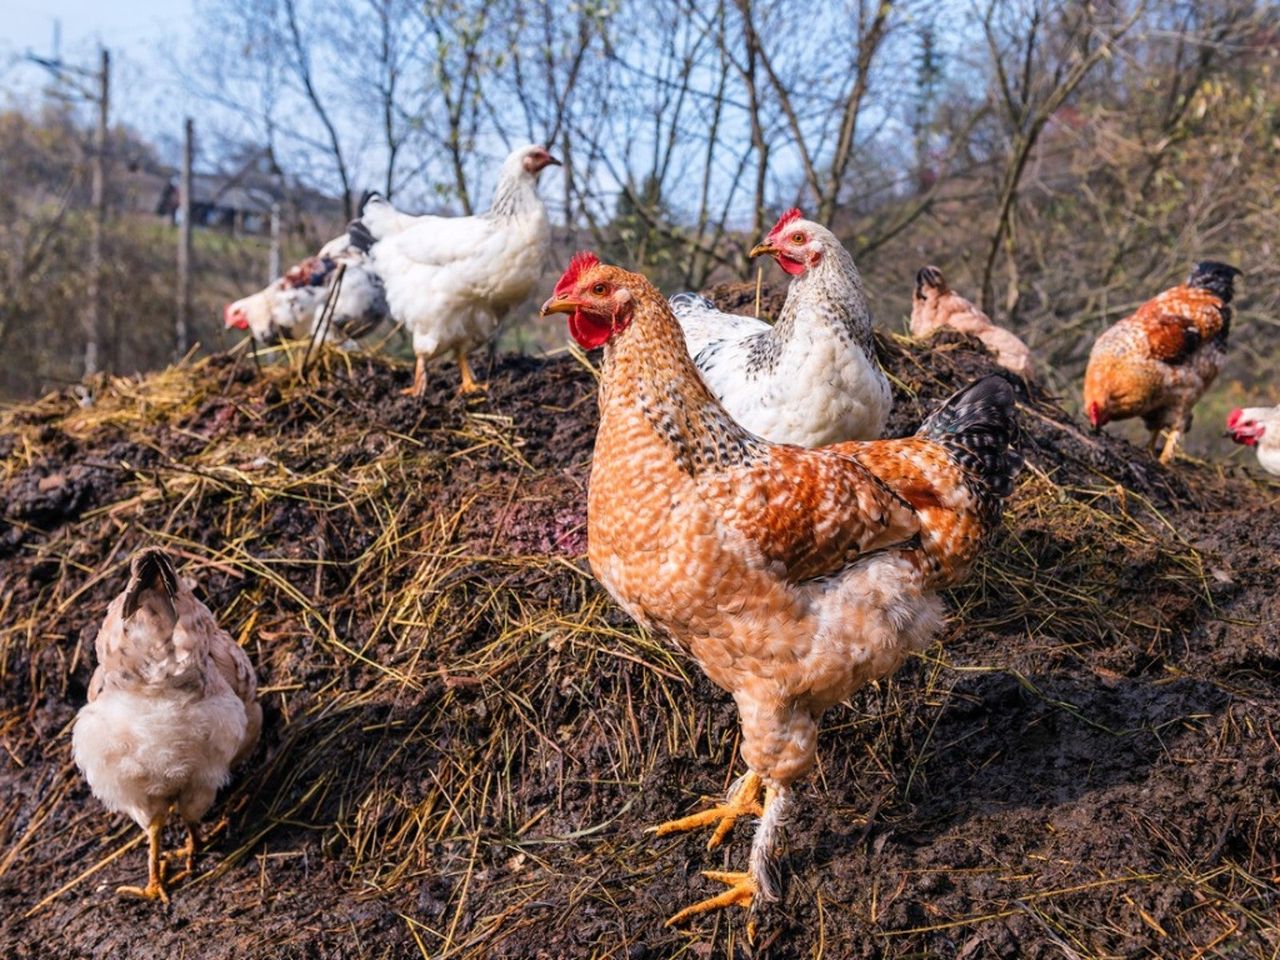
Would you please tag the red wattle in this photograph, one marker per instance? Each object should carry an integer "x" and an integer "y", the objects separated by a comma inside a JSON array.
[
  {"x": 793, "y": 267},
  {"x": 233, "y": 318},
  {"x": 589, "y": 331}
]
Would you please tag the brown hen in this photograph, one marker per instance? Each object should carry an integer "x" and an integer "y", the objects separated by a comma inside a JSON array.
[
  {"x": 1158, "y": 362},
  {"x": 792, "y": 576}
]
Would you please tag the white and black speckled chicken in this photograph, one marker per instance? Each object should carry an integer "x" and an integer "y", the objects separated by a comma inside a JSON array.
[
  {"x": 292, "y": 305},
  {"x": 172, "y": 706},
  {"x": 813, "y": 378}
]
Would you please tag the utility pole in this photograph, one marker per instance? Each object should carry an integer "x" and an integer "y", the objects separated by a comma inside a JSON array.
[
  {"x": 93, "y": 317},
  {"x": 273, "y": 260},
  {"x": 182, "y": 336},
  {"x": 100, "y": 95}
]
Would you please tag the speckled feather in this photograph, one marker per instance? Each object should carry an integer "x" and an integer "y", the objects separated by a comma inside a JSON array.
[
  {"x": 311, "y": 272},
  {"x": 292, "y": 304},
  {"x": 813, "y": 378},
  {"x": 793, "y": 576}
]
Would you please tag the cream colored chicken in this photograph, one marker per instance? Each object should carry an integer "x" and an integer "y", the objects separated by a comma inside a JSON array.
[
  {"x": 172, "y": 706},
  {"x": 935, "y": 307}
]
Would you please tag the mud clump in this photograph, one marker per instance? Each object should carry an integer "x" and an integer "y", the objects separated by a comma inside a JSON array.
[
  {"x": 740, "y": 298},
  {"x": 465, "y": 738}
]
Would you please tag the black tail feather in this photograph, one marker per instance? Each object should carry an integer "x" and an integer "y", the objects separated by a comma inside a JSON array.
[
  {"x": 1216, "y": 277},
  {"x": 978, "y": 425},
  {"x": 360, "y": 236},
  {"x": 150, "y": 570}
]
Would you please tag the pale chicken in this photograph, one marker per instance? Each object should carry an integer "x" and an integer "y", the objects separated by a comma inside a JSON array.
[
  {"x": 292, "y": 305},
  {"x": 451, "y": 280},
  {"x": 792, "y": 576},
  {"x": 935, "y": 307},
  {"x": 1258, "y": 427},
  {"x": 811, "y": 379},
  {"x": 172, "y": 707}
]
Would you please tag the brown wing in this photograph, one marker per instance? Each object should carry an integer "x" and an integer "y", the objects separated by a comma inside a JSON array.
[
  {"x": 811, "y": 511},
  {"x": 233, "y": 663},
  {"x": 921, "y": 472},
  {"x": 1178, "y": 321}
]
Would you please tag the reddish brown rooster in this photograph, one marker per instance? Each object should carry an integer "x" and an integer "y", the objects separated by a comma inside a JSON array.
[
  {"x": 792, "y": 576},
  {"x": 1159, "y": 361}
]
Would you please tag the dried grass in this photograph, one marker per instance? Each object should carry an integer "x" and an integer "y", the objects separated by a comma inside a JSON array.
[{"x": 465, "y": 736}]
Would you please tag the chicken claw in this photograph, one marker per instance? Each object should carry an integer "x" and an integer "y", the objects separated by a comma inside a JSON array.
[
  {"x": 419, "y": 385},
  {"x": 154, "y": 890},
  {"x": 742, "y": 891},
  {"x": 187, "y": 853},
  {"x": 469, "y": 383},
  {"x": 743, "y": 801}
]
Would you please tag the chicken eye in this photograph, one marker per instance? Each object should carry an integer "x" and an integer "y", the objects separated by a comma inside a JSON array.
[
  {"x": 797, "y": 238},
  {"x": 600, "y": 289}
]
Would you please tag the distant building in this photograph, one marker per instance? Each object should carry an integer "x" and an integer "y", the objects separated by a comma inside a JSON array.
[{"x": 241, "y": 202}]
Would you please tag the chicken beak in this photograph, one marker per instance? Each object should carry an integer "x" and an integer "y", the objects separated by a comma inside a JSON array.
[
  {"x": 557, "y": 306},
  {"x": 552, "y": 161},
  {"x": 762, "y": 248}
]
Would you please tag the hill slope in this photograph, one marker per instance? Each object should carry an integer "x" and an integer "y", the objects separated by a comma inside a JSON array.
[{"x": 465, "y": 738}]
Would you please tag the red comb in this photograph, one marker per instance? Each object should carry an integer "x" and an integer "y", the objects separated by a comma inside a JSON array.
[
  {"x": 792, "y": 214},
  {"x": 1234, "y": 417},
  {"x": 582, "y": 261}
]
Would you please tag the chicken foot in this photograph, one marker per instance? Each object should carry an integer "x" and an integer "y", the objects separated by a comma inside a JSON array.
[
  {"x": 743, "y": 801},
  {"x": 469, "y": 383},
  {"x": 1170, "y": 445},
  {"x": 154, "y": 890},
  {"x": 188, "y": 853},
  {"x": 742, "y": 891},
  {"x": 759, "y": 882},
  {"x": 419, "y": 385}
]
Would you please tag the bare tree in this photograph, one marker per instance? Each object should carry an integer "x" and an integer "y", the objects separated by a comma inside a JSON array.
[{"x": 1044, "y": 54}]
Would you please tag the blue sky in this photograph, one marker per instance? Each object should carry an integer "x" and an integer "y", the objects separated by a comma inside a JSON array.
[{"x": 143, "y": 36}]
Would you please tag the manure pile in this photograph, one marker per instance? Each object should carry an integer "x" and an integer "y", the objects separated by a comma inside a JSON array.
[{"x": 465, "y": 738}]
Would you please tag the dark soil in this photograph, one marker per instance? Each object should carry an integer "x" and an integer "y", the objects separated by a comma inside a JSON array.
[
  {"x": 740, "y": 297},
  {"x": 465, "y": 739}
]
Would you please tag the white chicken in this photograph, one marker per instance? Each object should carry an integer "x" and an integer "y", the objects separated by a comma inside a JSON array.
[
  {"x": 451, "y": 280},
  {"x": 293, "y": 304},
  {"x": 1258, "y": 427},
  {"x": 172, "y": 706},
  {"x": 811, "y": 379}
]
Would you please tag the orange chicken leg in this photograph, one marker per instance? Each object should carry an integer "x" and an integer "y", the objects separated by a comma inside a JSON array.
[{"x": 743, "y": 801}]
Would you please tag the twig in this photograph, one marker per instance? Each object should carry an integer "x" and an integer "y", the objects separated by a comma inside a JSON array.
[{"x": 320, "y": 329}]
